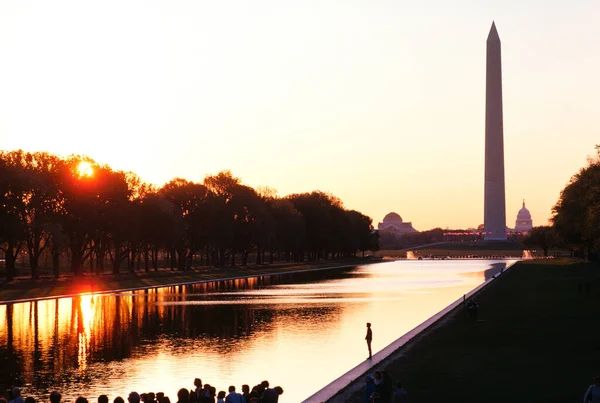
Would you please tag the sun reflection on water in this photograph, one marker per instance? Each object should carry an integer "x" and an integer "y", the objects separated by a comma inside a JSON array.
[{"x": 85, "y": 320}]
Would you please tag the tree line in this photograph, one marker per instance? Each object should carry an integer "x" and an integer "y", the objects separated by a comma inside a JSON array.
[{"x": 89, "y": 214}]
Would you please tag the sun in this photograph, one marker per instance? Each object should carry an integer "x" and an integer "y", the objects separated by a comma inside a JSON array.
[{"x": 85, "y": 169}]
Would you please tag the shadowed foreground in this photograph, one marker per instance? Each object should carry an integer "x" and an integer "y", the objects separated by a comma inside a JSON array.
[{"x": 536, "y": 340}]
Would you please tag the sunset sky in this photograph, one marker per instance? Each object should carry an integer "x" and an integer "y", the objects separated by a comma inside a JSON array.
[{"x": 379, "y": 102}]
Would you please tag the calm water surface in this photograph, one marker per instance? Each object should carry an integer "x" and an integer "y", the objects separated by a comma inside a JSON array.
[{"x": 299, "y": 331}]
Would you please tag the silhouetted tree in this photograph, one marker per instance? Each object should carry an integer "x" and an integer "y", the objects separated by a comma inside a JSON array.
[
  {"x": 58, "y": 243},
  {"x": 13, "y": 230},
  {"x": 40, "y": 202},
  {"x": 577, "y": 213},
  {"x": 222, "y": 221},
  {"x": 289, "y": 230},
  {"x": 33, "y": 197},
  {"x": 362, "y": 232},
  {"x": 250, "y": 221},
  {"x": 158, "y": 221},
  {"x": 316, "y": 209},
  {"x": 188, "y": 200},
  {"x": 330, "y": 230},
  {"x": 543, "y": 236},
  {"x": 94, "y": 211}
]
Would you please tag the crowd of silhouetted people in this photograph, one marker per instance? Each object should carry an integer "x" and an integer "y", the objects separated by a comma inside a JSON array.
[
  {"x": 201, "y": 393},
  {"x": 381, "y": 388}
]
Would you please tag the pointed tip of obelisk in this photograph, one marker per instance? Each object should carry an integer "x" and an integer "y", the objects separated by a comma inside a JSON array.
[{"x": 493, "y": 36}]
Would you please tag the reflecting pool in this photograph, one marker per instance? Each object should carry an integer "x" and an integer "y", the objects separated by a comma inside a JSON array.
[{"x": 299, "y": 331}]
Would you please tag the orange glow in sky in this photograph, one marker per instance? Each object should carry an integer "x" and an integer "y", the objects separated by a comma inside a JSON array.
[{"x": 381, "y": 103}]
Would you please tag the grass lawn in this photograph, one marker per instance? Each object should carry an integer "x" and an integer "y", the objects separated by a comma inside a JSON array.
[
  {"x": 459, "y": 249},
  {"x": 537, "y": 340},
  {"x": 453, "y": 253},
  {"x": 26, "y": 289}
]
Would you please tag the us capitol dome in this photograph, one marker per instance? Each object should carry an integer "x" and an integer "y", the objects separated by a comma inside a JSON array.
[
  {"x": 523, "y": 222},
  {"x": 392, "y": 222}
]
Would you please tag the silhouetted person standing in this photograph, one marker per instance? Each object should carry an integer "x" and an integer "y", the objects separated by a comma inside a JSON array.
[
  {"x": 16, "y": 395},
  {"x": 55, "y": 397},
  {"x": 369, "y": 339},
  {"x": 272, "y": 395},
  {"x": 198, "y": 391},
  {"x": 475, "y": 310},
  {"x": 246, "y": 393},
  {"x": 233, "y": 396},
  {"x": 593, "y": 392},
  {"x": 400, "y": 395},
  {"x": 369, "y": 388}
]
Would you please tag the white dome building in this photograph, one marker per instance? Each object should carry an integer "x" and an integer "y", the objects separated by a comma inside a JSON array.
[
  {"x": 392, "y": 222},
  {"x": 523, "y": 222}
]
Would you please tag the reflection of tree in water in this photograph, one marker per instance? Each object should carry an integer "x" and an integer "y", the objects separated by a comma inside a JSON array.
[
  {"x": 85, "y": 330},
  {"x": 494, "y": 269},
  {"x": 11, "y": 361},
  {"x": 313, "y": 276}
]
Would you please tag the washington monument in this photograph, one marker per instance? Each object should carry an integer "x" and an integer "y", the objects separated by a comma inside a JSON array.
[{"x": 494, "y": 220}]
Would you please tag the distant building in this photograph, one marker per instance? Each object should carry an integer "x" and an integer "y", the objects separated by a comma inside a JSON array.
[
  {"x": 523, "y": 222},
  {"x": 393, "y": 223}
]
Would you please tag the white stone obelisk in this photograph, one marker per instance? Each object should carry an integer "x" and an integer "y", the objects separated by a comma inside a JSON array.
[{"x": 494, "y": 220}]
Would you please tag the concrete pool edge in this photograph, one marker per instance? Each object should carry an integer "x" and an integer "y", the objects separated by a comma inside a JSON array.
[{"x": 332, "y": 391}]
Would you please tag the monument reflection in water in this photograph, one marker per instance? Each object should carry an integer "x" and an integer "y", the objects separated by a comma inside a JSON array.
[{"x": 299, "y": 331}]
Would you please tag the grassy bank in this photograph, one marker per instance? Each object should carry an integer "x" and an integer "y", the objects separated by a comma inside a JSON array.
[
  {"x": 536, "y": 341},
  {"x": 45, "y": 288},
  {"x": 458, "y": 249},
  {"x": 451, "y": 253}
]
